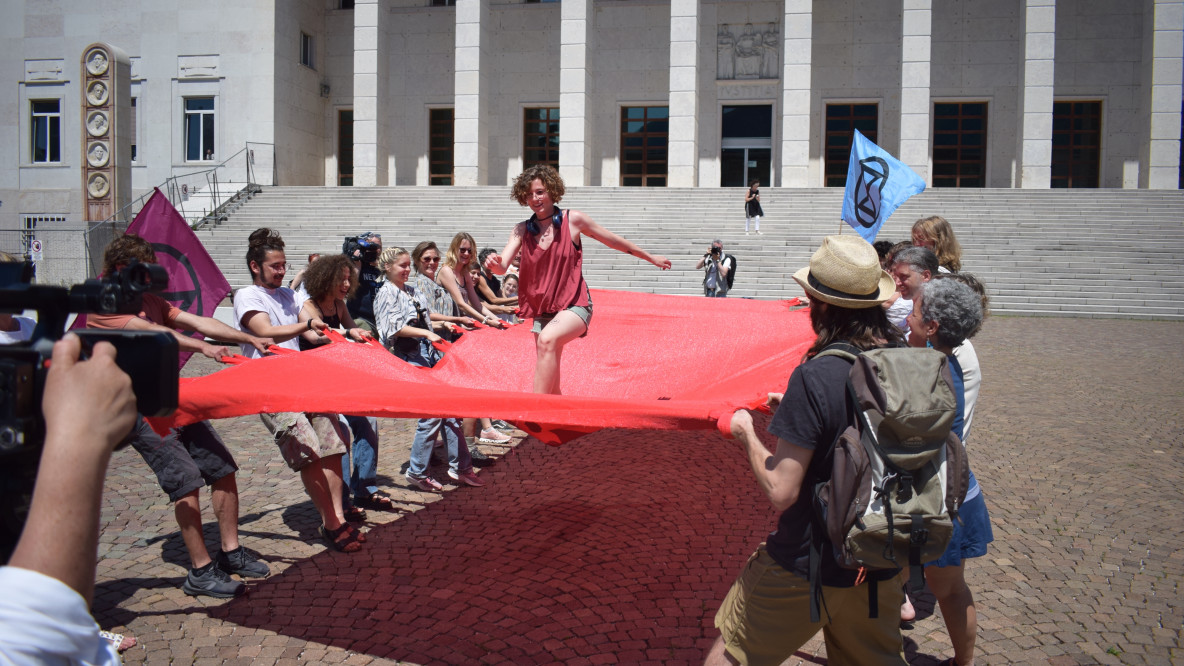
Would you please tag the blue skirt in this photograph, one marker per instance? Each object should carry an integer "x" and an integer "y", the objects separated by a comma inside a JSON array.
[{"x": 971, "y": 535}]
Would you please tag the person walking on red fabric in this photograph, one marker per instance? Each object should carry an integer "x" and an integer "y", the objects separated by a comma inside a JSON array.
[{"x": 552, "y": 289}]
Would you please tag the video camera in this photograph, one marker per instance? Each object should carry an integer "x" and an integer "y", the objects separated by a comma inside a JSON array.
[
  {"x": 361, "y": 247},
  {"x": 148, "y": 357}
]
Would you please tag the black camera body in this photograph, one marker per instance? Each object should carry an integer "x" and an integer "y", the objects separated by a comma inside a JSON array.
[
  {"x": 360, "y": 247},
  {"x": 148, "y": 357}
]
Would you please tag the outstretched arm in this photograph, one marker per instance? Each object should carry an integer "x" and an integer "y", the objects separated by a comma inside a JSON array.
[
  {"x": 464, "y": 298},
  {"x": 216, "y": 330},
  {"x": 779, "y": 474},
  {"x": 498, "y": 264},
  {"x": 582, "y": 224}
]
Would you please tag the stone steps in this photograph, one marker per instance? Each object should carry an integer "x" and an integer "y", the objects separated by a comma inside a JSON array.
[{"x": 1042, "y": 252}]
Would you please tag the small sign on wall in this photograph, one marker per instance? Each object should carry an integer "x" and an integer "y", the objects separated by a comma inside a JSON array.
[{"x": 35, "y": 250}]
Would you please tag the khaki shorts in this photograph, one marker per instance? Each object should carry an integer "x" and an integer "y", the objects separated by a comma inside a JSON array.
[
  {"x": 306, "y": 438},
  {"x": 765, "y": 618}
]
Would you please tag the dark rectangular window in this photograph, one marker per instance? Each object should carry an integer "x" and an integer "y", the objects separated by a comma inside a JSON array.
[
  {"x": 1076, "y": 143},
  {"x": 841, "y": 122},
  {"x": 442, "y": 3},
  {"x": 645, "y": 132},
  {"x": 541, "y": 137},
  {"x": 346, "y": 4},
  {"x": 47, "y": 131},
  {"x": 960, "y": 144},
  {"x": 199, "y": 129},
  {"x": 345, "y": 147},
  {"x": 307, "y": 54},
  {"x": 440, "y": 141},
  {"x": 537, "y": 2},
  {"x": 132, "y": 136}
]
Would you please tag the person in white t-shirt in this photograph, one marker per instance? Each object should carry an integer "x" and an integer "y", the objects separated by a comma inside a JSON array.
[{"x": 311, "y": 443}]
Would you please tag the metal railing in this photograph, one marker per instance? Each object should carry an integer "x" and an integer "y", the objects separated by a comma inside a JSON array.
[{"x": 202, "y": 196}]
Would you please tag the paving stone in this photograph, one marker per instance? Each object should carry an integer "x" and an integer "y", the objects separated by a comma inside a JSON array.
[{"x": 618, "y": 548}]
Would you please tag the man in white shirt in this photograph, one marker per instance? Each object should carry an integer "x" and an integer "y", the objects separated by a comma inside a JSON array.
[{"x": 311, "y": 444}]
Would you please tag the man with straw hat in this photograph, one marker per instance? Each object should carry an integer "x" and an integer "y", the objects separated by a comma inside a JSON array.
[{"x": 765, "y": 617}]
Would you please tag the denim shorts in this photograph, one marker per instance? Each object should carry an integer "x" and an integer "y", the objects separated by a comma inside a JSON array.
[{"x": 584, "y": 313}]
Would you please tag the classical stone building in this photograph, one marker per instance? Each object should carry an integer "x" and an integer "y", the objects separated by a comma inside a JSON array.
[{"x": 687, "y": 93}]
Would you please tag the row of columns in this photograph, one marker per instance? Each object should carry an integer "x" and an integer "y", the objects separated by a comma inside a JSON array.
[{"x": 1034, "y": 149}]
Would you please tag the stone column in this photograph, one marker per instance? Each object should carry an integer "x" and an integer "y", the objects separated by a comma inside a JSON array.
[
  {"x": 1167, "y": 77},
  {"x": 1036, "y": 93},
  {"x": 796, "y": 95},
  {"x": 471, "y": 138},
  {"x": 916, "y": 34},
  {"x": 683, "y": 155},
  {"x": 370, "y": 166},
  {"x": 574, "y": 84}
]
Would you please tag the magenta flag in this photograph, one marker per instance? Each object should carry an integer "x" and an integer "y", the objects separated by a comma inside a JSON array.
[{"x": 195, "y": 283}]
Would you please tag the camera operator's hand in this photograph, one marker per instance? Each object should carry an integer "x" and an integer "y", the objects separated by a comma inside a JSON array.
[
  {"x": 91, "y": 396},
  {"x": 89, "y": 407}
]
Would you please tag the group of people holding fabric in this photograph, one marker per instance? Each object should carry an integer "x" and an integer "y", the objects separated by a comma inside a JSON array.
[{"x": 423, "y": 297}]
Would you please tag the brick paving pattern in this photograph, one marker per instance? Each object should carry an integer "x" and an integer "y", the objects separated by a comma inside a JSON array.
[{"x": 619, "y": 547}]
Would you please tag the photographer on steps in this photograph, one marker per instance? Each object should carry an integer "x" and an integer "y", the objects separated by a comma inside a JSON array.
[{"x": 717, "y": 267}]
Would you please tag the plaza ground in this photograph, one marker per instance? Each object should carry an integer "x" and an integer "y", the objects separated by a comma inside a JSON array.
[{"x": 618, "y": 548}]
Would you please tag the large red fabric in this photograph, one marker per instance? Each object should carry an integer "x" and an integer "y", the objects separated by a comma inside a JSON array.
[{"x": 648, "y": 362}]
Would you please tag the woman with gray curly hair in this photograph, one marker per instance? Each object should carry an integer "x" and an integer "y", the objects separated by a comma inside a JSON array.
[{"x": 945, "y": 313}]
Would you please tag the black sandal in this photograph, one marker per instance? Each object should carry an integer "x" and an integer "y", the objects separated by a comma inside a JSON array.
[
  {"x": 378, "y": 500},
  {"x": 341, "y": 539},
  {"x": 355, "y": 514}
]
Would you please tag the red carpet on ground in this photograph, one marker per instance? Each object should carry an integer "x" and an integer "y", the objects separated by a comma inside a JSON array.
[
  {"x": 614, "y": 549},
  {"x": 648, "y": 362}
]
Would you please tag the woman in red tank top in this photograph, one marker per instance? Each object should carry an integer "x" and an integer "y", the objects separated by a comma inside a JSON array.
[{"x": 551, "y": 283}]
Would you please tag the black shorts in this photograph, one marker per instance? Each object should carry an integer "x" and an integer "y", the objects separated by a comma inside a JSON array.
[{"x": 184, "y": 460}]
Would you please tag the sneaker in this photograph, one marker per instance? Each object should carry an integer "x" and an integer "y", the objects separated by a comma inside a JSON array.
[
  {"x": 214, "y": 582},
  {"x": 243, "y": 563},
  {"x": 426, "y": 484},
  {"x": 468, "y": 477},
  {"x": 493, "y": 436}
]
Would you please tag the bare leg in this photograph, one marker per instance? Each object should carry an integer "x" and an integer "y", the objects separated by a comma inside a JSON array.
[
  {"x": 322, "y": 481},
  {"x": 225, "y": 499},
  {"x": 957, "y": 608},
  {"x": 565, "y": 327},
  {"x": 718, "y": 656},
  {"x": 188, "y": 512}
]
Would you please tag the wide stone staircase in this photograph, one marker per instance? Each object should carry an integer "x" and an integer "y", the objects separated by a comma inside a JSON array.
[{"x": 1094, "y": 253}]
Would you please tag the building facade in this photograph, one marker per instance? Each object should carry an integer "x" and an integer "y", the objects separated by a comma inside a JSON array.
[{"x": 678, "y": 93}]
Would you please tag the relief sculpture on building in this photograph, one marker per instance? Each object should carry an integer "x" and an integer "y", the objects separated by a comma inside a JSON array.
[{"x": 749, "y": 54}]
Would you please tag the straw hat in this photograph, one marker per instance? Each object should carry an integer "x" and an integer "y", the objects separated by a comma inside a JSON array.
[{"x": 846, "y": 272}]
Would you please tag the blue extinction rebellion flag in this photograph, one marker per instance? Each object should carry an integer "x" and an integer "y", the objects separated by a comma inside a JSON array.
[{"x": 876, "y": 184}]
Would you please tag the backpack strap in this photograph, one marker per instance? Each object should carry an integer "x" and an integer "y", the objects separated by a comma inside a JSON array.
[{"x": 849, "y": 353}]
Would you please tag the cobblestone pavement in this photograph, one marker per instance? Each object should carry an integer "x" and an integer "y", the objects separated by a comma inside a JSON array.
[{"x": 618, "y": 548}]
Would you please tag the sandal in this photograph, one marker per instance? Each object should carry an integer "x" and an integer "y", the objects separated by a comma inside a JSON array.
[
  {"x": 358, "y": 535},
  {"x": 119, "y": 641},
  {"x": 355, "y": 514},
  {"x": 341, "y": 539},
  {"x": 378, "y": 500}
]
